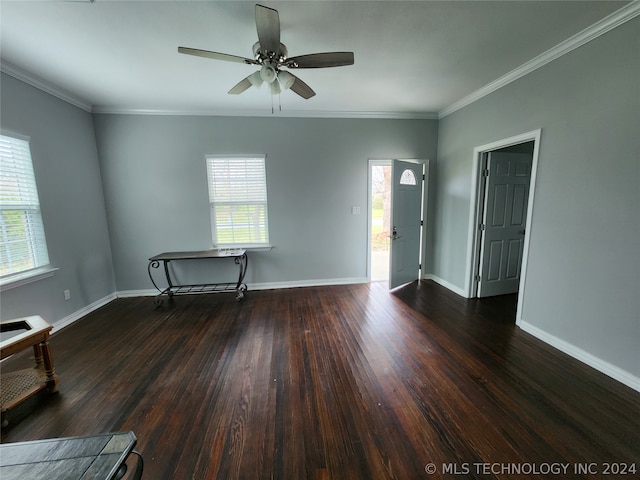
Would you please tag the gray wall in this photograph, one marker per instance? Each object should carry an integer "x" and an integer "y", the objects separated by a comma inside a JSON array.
[
  {"x": 153, "y": 170},
  {"x": 65, "y": 161},
  {"x": 583, "y": 277}
]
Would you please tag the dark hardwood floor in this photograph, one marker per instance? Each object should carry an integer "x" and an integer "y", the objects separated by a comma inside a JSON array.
[{"x": 338, "y": 382}]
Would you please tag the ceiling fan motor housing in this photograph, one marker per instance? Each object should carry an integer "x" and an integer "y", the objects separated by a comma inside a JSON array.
[{"x": 279, "y": 57}]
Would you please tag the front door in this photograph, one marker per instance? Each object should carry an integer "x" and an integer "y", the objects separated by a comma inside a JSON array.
[
  {"x": 406, "y": 218},
  {"x": 503, "y": 224}
]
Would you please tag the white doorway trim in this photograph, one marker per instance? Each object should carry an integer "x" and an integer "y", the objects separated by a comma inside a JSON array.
[{"x": 477, "y": 196}]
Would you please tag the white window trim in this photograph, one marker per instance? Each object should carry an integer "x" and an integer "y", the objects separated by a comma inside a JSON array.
[
  {"x": 24, "y": 278},
  {"x": 254, "y": 247},
  {"x": 18, "y": 279}
]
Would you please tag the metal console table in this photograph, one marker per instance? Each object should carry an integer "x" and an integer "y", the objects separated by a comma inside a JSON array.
[{"x": 239, "y": 256}]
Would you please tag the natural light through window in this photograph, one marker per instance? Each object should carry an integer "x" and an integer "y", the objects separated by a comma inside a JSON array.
[
  {"x": 22, "y": 240},
  {"x": 408, "y": 178},
  {"x": 238, "y": 200}
]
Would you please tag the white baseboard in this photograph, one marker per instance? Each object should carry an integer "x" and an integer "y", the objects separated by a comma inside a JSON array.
[
  {"x": 603, "y": 366},
  {"x": 445, "y": 284},
  {"x": 607, "y": 368},
  {"x": 150, "y": 292},
  {"x": 307, "y": 283},
  {"x": 77, "y": 315},
  {"x": 262, "y": 286}
]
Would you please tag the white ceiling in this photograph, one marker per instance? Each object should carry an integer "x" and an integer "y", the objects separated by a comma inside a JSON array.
[{"x": 412, "y": 58}]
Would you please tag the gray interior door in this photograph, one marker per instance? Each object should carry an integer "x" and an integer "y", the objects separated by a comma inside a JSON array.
[{"x": 504, "y": 220}]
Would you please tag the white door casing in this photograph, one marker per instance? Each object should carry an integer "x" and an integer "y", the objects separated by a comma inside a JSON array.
[
  {"x": 407, "y": 183},
  {"x": 504, "y": 222}
]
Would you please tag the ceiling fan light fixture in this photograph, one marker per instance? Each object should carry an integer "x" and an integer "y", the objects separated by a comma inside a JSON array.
[
  {"x": 286, "y": 79},
  {"x": 275, "y": 88},
  {"x": 268, "y": 73}
]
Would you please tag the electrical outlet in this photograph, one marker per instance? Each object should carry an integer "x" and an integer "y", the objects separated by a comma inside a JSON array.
[{"x": 67, "y": 295}]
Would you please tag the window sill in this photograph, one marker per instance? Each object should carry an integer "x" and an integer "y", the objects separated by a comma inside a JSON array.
[
  {"x": 264, "y": 248},
  {"x": 19, "y": 279},
  {"x": 260, "y": 248}
]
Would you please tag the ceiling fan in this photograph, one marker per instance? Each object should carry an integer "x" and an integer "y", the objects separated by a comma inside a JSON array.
[{"x": 271, "y": 56}]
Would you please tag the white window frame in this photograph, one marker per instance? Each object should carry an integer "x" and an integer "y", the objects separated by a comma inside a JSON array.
[
  {"x": 251, "y": 194},
  {"x": 19, "y": 193}
]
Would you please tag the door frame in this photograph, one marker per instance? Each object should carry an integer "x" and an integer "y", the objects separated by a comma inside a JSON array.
[
  {"x": 477, "y": 202},
  {"x": 425, "y": 196}
]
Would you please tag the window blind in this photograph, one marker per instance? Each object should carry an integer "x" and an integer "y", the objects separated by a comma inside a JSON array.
[
  {"x": 23, "y": 245},
  {"x": 238, "y": 200}
]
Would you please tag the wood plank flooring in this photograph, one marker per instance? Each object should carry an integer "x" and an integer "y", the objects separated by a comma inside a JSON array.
[{"x": 336, "y": 382}]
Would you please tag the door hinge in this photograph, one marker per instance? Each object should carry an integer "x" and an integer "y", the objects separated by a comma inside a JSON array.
[
  {"x": 422, "y": 223},
  {"x": 477, "y": 278},
  {"x": 481, "y": 227},
  {"x": 485, "y": 173},
  {"x": 424, "y": 177}
]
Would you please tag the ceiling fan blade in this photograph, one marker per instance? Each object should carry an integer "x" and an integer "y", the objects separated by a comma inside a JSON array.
[
  {"x": 216, "y": 55},
  {"x": 241, "y": 86},
  {"x": 302, "y": 88},
  {"x": 268, "y": 27},
  {"x": 321, "y": 60}
]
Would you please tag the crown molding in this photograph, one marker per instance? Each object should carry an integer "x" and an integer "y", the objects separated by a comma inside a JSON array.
[
  {"x": 269, "y": 113},
  {"x": 57, "y": 92},
  {"x": 43, "y": 85},
  {"x": 51, "y": 89},
  {"x": 608, "y": 23}
]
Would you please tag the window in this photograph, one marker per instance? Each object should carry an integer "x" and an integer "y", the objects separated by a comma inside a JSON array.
[
  {"x": 408, "y": 178},
  {"x": 22, "y": 241},
  {"x": 238, "y": 200}
]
